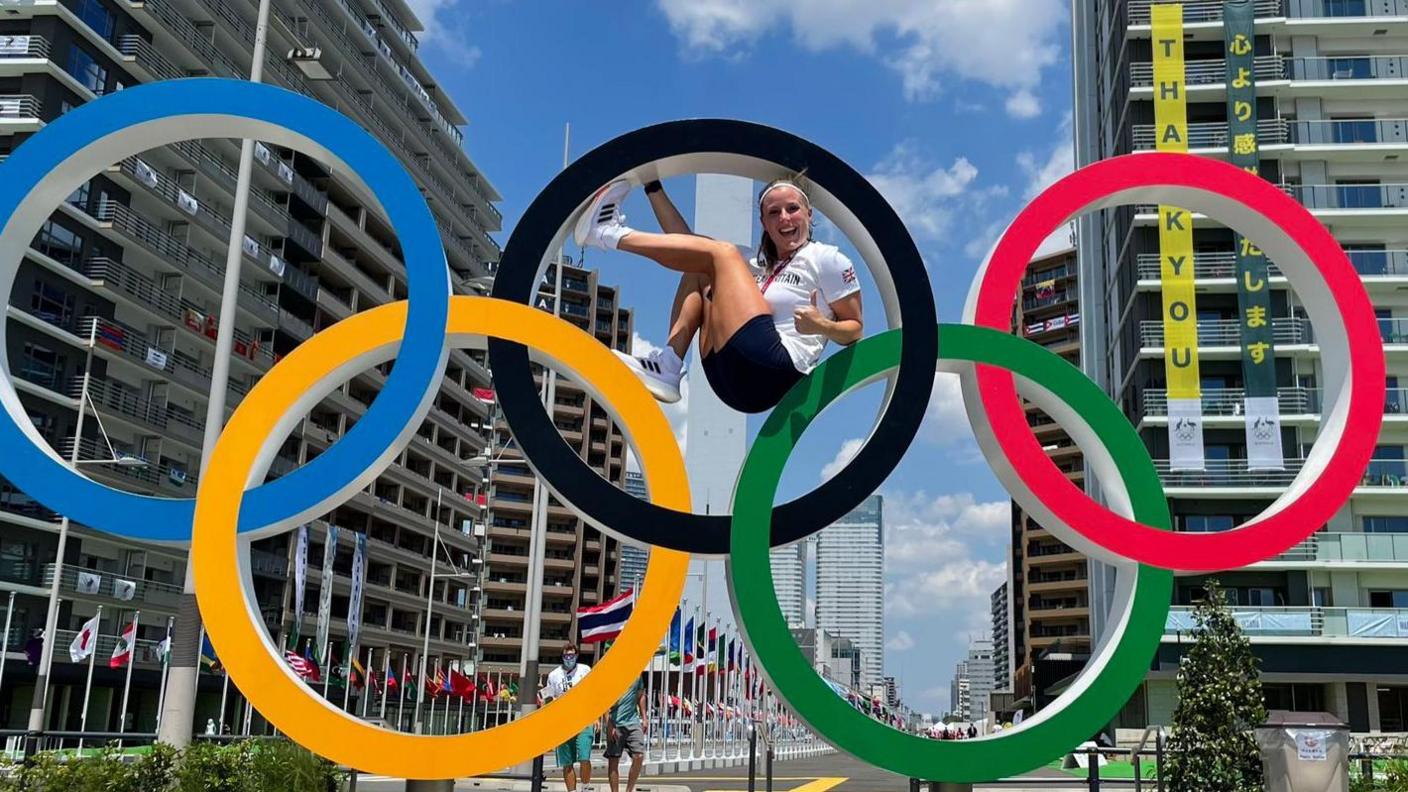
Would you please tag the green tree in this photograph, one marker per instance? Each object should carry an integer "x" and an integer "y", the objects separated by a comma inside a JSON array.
[{"x": 1219, "y": 704}]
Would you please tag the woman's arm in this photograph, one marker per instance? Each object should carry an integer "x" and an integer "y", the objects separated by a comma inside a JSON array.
[
  {"x": 845, "y": 329},
  {"x": 670, "y": 219}
]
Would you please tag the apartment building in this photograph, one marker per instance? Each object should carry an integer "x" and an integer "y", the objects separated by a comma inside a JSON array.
[
  {"x": 134, "y": 260},
  {"x": 1329, "y": 618},
  {"x": 582, "y": 566}
]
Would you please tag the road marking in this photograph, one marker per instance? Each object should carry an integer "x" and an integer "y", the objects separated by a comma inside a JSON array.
[{"x": 813, "y": 784}]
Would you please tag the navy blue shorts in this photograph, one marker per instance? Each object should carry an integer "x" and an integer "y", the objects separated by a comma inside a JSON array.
[{"x": 752, "y": 372}]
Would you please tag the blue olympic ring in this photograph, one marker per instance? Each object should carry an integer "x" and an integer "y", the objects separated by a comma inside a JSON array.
[{"x": 391, "y": 416}]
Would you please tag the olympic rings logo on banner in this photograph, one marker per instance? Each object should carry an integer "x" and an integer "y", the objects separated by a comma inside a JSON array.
[{"x": 232, "y": 507}]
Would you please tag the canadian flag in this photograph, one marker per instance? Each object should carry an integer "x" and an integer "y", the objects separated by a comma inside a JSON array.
[
  {"x": 122, "y": 653},
  {"x": 85, "y": 641}
]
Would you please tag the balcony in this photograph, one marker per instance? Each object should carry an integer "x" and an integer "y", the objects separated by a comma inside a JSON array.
[
  {"x": 1384, "y": 475},
  {"x": 1209, "y": 72},
  {"x": 154, "y": 474},
  {"x": 1350, "y": 197},
  {"x": 23, "y": 47},
  {"x": 19, "y": 110},
  {"x": 1347, "y": 548},
  {"x": 1227, "y": 332},
  {"x": 111, "y": 398},
  {"x": 1201, "y": 10},
  {"x": 1308, "y": 622},
  {"x": 1213, "y": 134},
  {"x": 1230, "y": 401},
  {"x": 147, "y": 592},
  {"x": 1348, "y": 67}
]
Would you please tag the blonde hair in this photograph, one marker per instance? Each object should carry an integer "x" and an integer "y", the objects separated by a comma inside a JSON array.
[{"x": 767, "y": 250}]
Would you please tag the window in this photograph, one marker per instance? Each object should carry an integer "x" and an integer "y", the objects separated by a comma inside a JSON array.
[
  {"x": 1355, "y": 130},
  {"x": 1205, "y": 523},
  {"x": 1393, "y": 396},
  {"x": 1397, "y": 598},
  {"x": 1359, "y": 194},
  {"x": 42, "y": 366},
  {"x": 1322, "y": 597},
  {"x": 1296, "y": 698},
  {"x": 1385, "y": 523},
  {"x": 1387, "y": 466},
  {"x": 79, "y": 198},
  {"x": 1368, "y": 258},
  {"x": 51, "y": 303},
  {"x": 1345, "y": 8},
  {"x": 1354, "y": 67},
  {"x": 60, "y": 244},
  {"x": 1388, "y": 328},
  {"x": 96, "y": 16},
  {"x": 86, "y": 70}
]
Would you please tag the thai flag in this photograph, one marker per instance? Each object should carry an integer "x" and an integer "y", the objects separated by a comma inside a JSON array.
[{"x": 605, "y": 621}]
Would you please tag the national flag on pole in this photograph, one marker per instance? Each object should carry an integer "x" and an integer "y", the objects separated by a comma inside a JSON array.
[
  {"x": 437, "y": 684},
  {"x": 359, "y": 674},
  {"x": 732, "y": 663},
  {"x": 485, "y": 395},
  {"x": 605, "y": 621},
  {"x": 700, "y": 656},
  {"x": 689, "y": 642},
  {"x": 308, "y": 657},
  {"x": 391, "y": 683},
  {"x": 163, "y": 649},
  {"x": 207, "y": 655},
  {"x": 713, "y": 649},
  {"x": 462, "y": 685},
  {"x": 122, "y": 653},
  {"x": 674, "y": 651},
  {"x": 305, "y": 667},
  {"x": 85, "y": 641}
]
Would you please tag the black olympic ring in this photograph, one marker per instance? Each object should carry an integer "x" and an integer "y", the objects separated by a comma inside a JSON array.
[{"x": 717, "y": 145}]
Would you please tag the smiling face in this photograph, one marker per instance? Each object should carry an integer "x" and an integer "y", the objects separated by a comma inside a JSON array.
[{"x": 787, "y": 219}]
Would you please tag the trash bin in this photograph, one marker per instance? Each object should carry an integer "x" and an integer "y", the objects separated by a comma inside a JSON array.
[{"x": 1304, "y": 752}]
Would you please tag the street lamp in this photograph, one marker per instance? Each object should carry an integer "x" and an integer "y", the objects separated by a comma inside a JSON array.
[{"x": 51, "y": 617}]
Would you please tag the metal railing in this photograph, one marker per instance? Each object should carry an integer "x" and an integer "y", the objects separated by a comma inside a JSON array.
[
  {"x": 107, "y": 585},
  {"x": 23, "y": 46},
  {"x": 1231, "y": 401},
  {"x": 1338, "y": 9},
  {"x": 1209, "y": 72},
  {"x": 1349, "y": 131},
  {"x": 1202, "y": 10},
  {"x": 1350, "y": 196},
  {"x": 1363, "y": 547},
  {"x": 1227, "y": 332},
  {"x": 121, "y": 400},
  {"x": 20, "y": 106},
  {"x": 1305, "y": 621},
  {"x": 1223, "y": 264},
  {"x": 126, "y": 340},
  {"x": 154, "y": 473},
  {"x": 1348, "y": 67},
  {"x": 1213, "y": 134}
]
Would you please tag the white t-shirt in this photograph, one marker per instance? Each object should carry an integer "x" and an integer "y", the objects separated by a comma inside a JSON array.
[
  {"x": 559, "y": 681},
  {"x": 814, "y": 267}
]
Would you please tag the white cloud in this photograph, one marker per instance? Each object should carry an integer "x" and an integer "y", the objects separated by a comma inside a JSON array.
[
  {"x": 439, "y": 33},
  {"x": 1042, "y": 171},
  {"x": 1002, "y": 43},
  {"x": 923, "y": 530},
  {"x": 1023, "y": 105},
  {"x": 945, "y": 420},
  {"x": 901, "y": 642},
  {"x": 847, "y": 452},
  {"x": 962, "y": 586},
  {"x": 926, "y": 197}
]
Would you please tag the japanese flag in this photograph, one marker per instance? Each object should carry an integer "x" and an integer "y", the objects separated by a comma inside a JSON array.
[{"x": 85, "y": 641}]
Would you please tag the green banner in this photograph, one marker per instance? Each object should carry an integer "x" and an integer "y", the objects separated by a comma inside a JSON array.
[{"x": 1253, "y": 291}]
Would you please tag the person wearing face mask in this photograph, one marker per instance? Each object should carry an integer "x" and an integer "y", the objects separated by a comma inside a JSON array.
[
  {"x": 763, "y": 322},
  {"x": 577, "y": 751}
]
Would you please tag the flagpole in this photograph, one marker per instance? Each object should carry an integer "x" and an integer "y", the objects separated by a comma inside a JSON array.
[
  {"x": 499, "y": 683},
  {"x": 679, "y": 692},
  {"x": 88, "y": 686},
  {"x": 367, "y": 683},
  {"x": 385, "y": 682},
  {"x": 326, "y": 670},
  {"x": 165, "y": 656},
  {"x": 5, "y": 641},
  {"x": 127, "y": 684},
  {"x": 461, "y": 715},
  {"x": 224, "y": 694},
  {"x": 401, "y": 695}
]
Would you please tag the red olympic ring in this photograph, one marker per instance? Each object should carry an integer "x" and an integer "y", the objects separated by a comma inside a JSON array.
[{"x": 1309, "y": 504}]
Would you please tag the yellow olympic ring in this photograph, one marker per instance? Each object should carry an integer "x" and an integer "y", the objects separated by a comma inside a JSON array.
[{"x": 232, "y": 618}]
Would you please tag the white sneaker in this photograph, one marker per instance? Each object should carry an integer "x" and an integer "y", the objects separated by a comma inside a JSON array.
[
  {"x": 661, "y": 371},
  {"x": 602, "y": 225}
]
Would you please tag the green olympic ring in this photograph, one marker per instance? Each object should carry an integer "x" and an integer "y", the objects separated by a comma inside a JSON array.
[{"x": 1101, "y": 690}]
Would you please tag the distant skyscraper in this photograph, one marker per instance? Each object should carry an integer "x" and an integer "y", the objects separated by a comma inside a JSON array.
[
  {"x": 850, "y": 583},
  {"x": 633, "y": 558},
  {"x": 980, "y": 679},
  {"x": 1001, "y": 640},
  {"x": 789, "y": 581}
]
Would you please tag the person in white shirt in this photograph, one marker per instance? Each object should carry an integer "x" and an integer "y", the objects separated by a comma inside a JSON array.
[
  {"x": 763, "y": 323},
  {"x": 577, "y": 751}
]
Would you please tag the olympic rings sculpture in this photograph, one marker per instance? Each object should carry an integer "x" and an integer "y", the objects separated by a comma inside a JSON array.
[{"x": 233, "y": 507}]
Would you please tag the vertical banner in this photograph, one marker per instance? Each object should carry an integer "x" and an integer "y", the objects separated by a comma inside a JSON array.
[
  {"x": 1185, "y": 408},
  {"x": 325, "y": 597},
  {"x": 354, "y": 604},
  {"x": 300, "y": 581},
  {"x": 1263, "y": 411}
]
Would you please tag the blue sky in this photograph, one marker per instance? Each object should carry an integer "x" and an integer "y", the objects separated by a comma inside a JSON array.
[{"x": 957, "y": 110}]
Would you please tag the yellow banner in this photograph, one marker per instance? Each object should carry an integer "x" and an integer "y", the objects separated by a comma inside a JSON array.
[{"x": 1175, "y": 225}]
